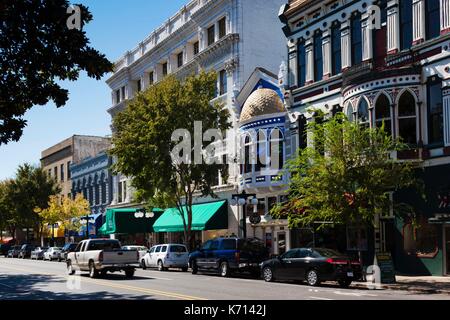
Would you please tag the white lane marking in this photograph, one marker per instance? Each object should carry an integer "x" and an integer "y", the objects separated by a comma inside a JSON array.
[
  {"x": 320, "y": 298},
  {"x": 356, "y": 294}
]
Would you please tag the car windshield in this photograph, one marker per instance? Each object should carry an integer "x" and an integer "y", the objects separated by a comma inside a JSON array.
[
  {"x": 105, "y": 245},
  {"x": 178, "y": 249},
  {"x": 328, "y": 253}
]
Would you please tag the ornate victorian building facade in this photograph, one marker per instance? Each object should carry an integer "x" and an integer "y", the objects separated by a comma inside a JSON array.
[
  {"x": 382, "y": 61},
  {"x": 232, "y": 37},
  {"x": 92, "y": 178}
]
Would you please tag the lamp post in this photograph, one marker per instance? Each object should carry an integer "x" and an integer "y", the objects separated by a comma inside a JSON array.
[
  {"x": 142, "y": 213},
  {"x": 85, "y": 221},
  {"x": 240, "y": 199}
]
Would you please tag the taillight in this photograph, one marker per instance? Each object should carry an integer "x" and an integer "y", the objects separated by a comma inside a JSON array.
[
  {"x": 335, "y": 261},
  {"x": 237, "y": 256},
  {"x": 100, "y": 256}
]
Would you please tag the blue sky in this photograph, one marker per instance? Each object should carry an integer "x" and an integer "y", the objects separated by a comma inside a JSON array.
[{"x": 118, "y": 26}]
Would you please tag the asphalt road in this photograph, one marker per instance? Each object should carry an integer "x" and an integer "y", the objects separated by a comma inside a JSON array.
[{"x": 44, "y": 280}]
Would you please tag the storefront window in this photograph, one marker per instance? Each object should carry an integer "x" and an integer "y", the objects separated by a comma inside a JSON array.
[
  {"x": 421, "y": 241},
  {"x": 357, "y": 238}
]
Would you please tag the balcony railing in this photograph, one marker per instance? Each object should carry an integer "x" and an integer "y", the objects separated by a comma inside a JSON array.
[{"x": 356, "y": 73}]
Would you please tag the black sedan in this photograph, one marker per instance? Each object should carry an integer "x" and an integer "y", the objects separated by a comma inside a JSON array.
[{"x": 313, "y": 266}]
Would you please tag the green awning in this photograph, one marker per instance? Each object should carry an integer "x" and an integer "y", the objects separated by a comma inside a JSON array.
[
  {"x": 205, "y": 216},
  {"x": 123, "y": 221}
]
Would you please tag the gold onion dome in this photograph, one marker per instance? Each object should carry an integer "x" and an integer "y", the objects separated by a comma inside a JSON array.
[{"x": 261, "y": 102}]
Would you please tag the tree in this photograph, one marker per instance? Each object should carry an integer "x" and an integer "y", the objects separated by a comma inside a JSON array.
[
  {"x": 346, "y": 176},
  {"x": 30, "y": 189},
  {"x": 37, "y": 48},
  {"x": 7, "y": 218},
  {"x": 143, "y": 142},
  {"x": 66, "y": 213}
]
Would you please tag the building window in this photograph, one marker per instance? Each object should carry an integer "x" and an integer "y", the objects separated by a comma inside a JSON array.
[
  {"x": 382, "y": 4},
  {"x": 421, "y": 241},
  {"x": 407, "y": 118},
  {"x": 151, "y": 78},
  {"x": 318, "y": 58},
  {"x": 119, "y": 193},
  {"x": 211, "y": 35},
  {"x": 433, "y": 26},
  {"x": 55, "y": 173},
  {"x": 117, "y": 96},
  {"x": 124, "y": 191},
  {"x": 406, "y": 24},
  {"x": 349, "y": 112},
  {"x": 302, "y": 132},
  {"x": 336, "y": 62},
  {"x": 435, "y": 112},
  {"x": 363, "y": 112},
  {"x": 276, "y": 149},
  {"x": 69, "y": 175},
  {"x": 49, "y": 172},
  {"x": 123, "y": 93},
  {"x": 196, "y": 48},
  {"x": 383, "y": 113},
  {"x": 247, "y": 167},
  {"x": 97, "y": 193},
  {"x": 164, "y": 69},
  {"x": 104, "y": 186},
  {"x": 261, "y": 151},
  {"x": 223, "y": 82},
  {"x": 62, "y": 173},
  {"x": 301, "y": 64},
  {"x": 180, "y": 60},
  {"x": 356, "y": 39},
  {"x": 222, "y": 28}
]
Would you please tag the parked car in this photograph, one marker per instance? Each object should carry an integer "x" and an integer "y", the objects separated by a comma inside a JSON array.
[
  {"x": 38, "y": 253},
  {"x": 69, "y": 247},
  {"x": 52, "y": 253},
  {"x": 14, "y": 252},
  {"x": 166, "y": 256},
  {"x": 313, "y": 266},
  {"x": 25, "y": 251},
  {"x": 102, "y": 256},
  {"x": 141, "y": 249},
  {"x": 4, "y": 248},
  {"x": 227, "y": 255}
]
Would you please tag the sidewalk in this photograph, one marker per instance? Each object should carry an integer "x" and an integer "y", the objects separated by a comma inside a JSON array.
[{"x": 423, "y": 284}]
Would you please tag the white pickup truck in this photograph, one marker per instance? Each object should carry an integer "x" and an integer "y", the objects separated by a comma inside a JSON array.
[{"x": 99, "y": 256}]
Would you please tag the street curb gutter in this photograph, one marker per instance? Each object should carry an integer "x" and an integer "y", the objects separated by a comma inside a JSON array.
[{"x": 403, "y": 287}]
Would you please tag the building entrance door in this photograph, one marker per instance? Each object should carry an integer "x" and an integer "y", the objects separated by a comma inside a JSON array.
[{"x": 447, "y": 250}]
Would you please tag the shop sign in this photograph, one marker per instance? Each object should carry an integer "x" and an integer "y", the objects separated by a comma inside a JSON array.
[{"x": 387, "y": 272}]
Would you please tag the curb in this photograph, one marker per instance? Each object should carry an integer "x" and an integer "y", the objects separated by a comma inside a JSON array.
[{"x": 404, "y": 287}]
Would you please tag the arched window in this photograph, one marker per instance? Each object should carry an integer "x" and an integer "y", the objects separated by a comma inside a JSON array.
[
  {"x": 318, "y": 58},
  {"x": 433, "y": 27},
  {"x": 276, "y": 149},
  {"x": 261, "y": 151},
  {"x": 383, "y": 113},
  {"x": 363, "y": 112},
  {"x": 356, "y": 38},
  {"x": 407, "y": 128},
  {"x": 349, "y": 112},
  {"x": 301, "y": 54},
  {"x": 336, "y": 63},
  {"x": 406, "y": 24},
  {"x": 247, "y": 155}
]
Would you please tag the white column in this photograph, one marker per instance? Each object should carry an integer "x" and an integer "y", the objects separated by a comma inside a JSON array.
[
  {"x": 201, "y": 38},
  {"x": 216, "y": 31},
  {"x": 446, "y": 107},
  {"x": 367, "y": 49},
  {"x": 345, "y": 45},
  {"x": 309, "y": 52},
  {"x": 326, "y": 50},
  {"x": 445, "y": 16},
  {"x": 393, "y": 27},
  {"x": 293, "y": 64},
  {"x": 418, "y": 21}
]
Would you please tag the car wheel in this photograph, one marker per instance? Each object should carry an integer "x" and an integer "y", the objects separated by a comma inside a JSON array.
[
  {"x": 268, "y": 274},
  {"x": 312, "y": 278},
  {"x": 143, "y": 265},
  {"x": 344, "y": 283},
  {"x": 194, "y": 267},
  {"x": 161, "y": 266},
  {"x": 184, "y": 269},
  {"x": 70, "y": 270},
  {"x": 129, "y": 273},
  {"x": 224, "y": 269},
  {"x": 59, "y": 259},
  {"x": 93, "y": 273},
  {"x": 103, "y": 273}
]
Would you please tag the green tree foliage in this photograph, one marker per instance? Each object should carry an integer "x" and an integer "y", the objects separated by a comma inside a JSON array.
[
  {"x": 37, "y": 49},
  {"x": 30, "y": 189},
  {"x": 142, "y": 142},
  {"x": 346, "y": 175},
  {"x": 8, "y": 220}
]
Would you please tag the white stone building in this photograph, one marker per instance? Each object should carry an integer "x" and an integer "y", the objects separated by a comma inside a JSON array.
[{"x": 232, "y": 37}]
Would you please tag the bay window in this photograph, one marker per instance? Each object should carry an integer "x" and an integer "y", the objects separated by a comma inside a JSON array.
[{"x": 407, "y": 126}]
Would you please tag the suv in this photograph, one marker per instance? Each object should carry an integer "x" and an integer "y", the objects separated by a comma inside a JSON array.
[
  {"x": 166, "y": 256},
  {"x": 69, "y": 247},
  {"x": 25, "y": 251},
  {"x": 225, "y": 255},
  {"x": 14, "y": 251}
]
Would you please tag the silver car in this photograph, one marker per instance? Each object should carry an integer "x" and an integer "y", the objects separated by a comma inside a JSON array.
[
  {"x": 38, "y": 253},
  {"x": 52, "y": 253}
]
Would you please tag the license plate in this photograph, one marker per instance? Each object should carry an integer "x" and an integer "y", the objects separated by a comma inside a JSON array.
[{"x": 349, "y": 274}]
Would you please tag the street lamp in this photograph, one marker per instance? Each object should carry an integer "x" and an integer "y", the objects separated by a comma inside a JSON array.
[
  {"x": 85, "y": 221},
  {"x": 240, "y": 199},
  {"x": 142, "y": 213}
]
